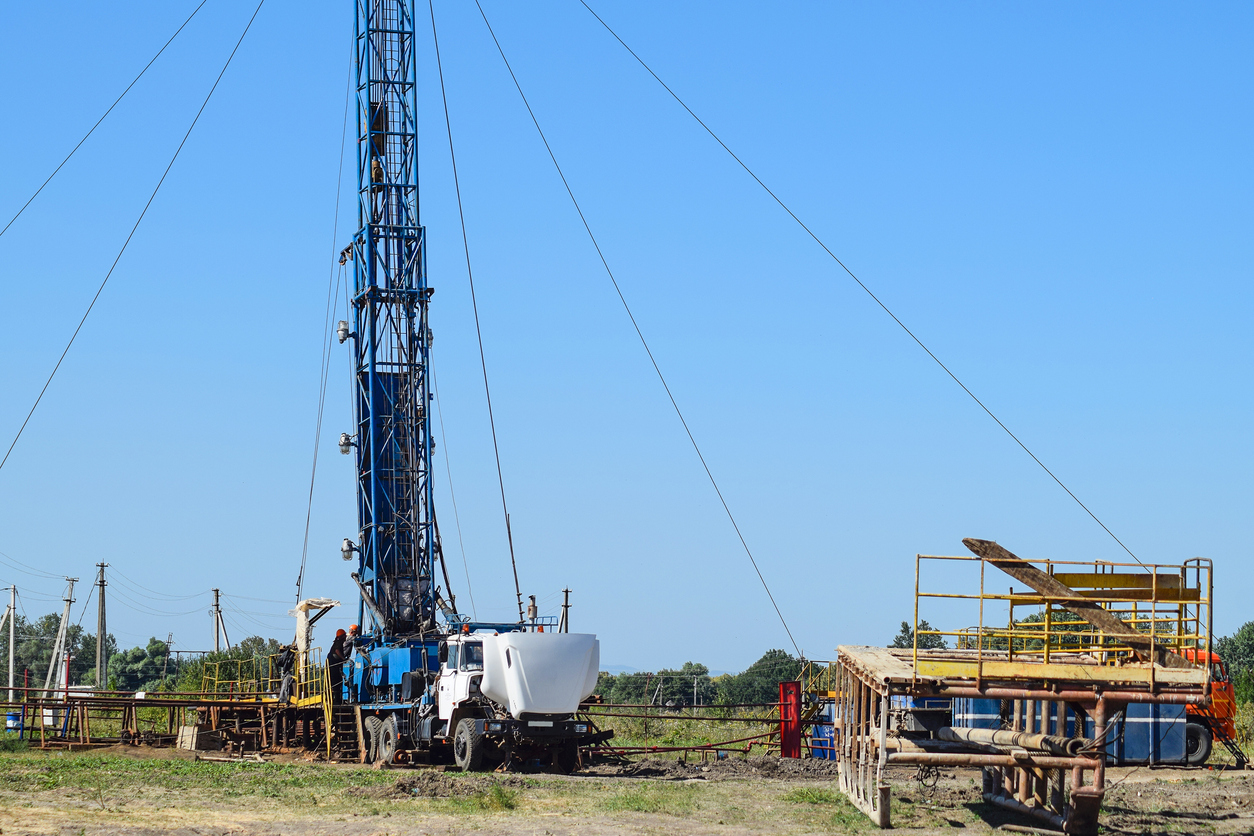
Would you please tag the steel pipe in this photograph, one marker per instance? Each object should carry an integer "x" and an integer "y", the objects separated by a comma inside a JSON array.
[
  {"x": 1063, "y": 746},
  {"x": 1040, "y": 813},
  {"x": 976, "y": 759},
  {"x": 1163, "y": 697}
]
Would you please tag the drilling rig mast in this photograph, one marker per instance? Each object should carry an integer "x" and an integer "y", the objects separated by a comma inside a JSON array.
[{"x": 397, "y": 542}]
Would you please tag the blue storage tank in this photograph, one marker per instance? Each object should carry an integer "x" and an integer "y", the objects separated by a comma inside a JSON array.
[
  {"x": 1144, "y": 734},
  {"x": 823, "y": 734}
]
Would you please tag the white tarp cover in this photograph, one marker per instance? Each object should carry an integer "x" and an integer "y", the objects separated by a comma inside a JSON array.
[{"x": 540, "y": 673}]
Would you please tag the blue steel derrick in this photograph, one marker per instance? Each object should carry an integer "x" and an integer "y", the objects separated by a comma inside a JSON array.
[{"x": 398, "y": 542}]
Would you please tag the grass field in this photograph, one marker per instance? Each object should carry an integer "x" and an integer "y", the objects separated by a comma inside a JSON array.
[{"x": 140, "y": 791}]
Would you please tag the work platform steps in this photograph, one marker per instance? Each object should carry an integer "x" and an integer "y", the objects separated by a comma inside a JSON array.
[{"x": 345, "y": 733}]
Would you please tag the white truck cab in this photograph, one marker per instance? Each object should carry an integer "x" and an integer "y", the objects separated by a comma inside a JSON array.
[{"x": 461, "y": 673}]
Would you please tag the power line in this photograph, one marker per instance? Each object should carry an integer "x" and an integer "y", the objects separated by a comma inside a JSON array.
[
  {"x": 35, "y": 573},
  {"x": 127, "y": 242},
  {"x": 639, "y": 333},
  {"x": 102, "y": 118},
  {"x": 474, "y": 304},
  {"x": 876, "y": 299},
  {"x": 126, "y": 580}
]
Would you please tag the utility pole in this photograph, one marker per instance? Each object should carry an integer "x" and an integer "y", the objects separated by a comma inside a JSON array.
[
  {"x": 58, "y": 648},
  {"x": 102, "y": 658},
  {"x": 166, "y": 662},
  {"x": 217, "y": 622},
  {"x": 12, "y": 635},
  {"x": 219, "y": 626},
  {"x": 564, "y": 627}
]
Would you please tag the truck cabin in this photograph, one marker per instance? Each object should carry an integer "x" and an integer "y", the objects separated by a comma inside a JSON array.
[{"x": 458, "y": 655}]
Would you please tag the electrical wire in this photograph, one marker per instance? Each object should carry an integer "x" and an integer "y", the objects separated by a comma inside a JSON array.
[
  {"x": 859, "y": 281},
  {"x": 86, "y": 602},
  {"x": 129, "y": 581},
  {"x": 639, "y": 333},
  {"x": 35, "y": 573},
  {"x": 102, "y": 118},
  {"x": 453, "y": 496},
  {"x": 130, "y": 603},
  {"x": 260, "y": 600},
  {"x": 474, "y": 304},
  {"x": 325, "y": 362},
  {"x": 127, "y": 242}
]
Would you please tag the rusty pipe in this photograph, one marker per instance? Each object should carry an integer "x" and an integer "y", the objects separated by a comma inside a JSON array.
[
  {"x": 1063, "y": 746},
  {"x": 1165, "y": 697},
  {"x": 1053, "y": 819},
  {"x": 974, "y": 759}
]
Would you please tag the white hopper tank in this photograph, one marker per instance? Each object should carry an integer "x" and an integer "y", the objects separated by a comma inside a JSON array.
[{"x": 540, "y": 673}]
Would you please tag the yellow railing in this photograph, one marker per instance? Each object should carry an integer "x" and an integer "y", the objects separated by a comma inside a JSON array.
[
  {"x": 1170, "y": 602},
  {"x": 817, "y": 676},
  {"x": 263, "y": 676}
]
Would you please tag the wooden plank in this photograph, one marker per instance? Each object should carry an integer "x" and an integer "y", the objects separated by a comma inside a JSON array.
[
  {"x": 1164, "y": 596},
  {"x": 877, "y": 664},
  {"x": 1117, "y": 580},
  {"x": 1047, "y": 585}
]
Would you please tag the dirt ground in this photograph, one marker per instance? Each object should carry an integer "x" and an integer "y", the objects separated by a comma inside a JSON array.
[{"x": 137, "y": 791}]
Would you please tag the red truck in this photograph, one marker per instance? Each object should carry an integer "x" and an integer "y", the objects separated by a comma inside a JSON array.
[{"x": 1217, "y": 721}]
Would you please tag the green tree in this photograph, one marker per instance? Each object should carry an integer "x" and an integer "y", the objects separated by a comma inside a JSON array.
[
  {"x": 927, "y": 641},
  {"x": 140, "y": 668},
  {"x": 33, "y": 651},
  {"x": 759, "y": 683},
  {"x": 605, "y": 685},
  {"x": 680, "y": 687},
  {"x": 631, "y": 687},
  {"x": 1237, "y": 650}
]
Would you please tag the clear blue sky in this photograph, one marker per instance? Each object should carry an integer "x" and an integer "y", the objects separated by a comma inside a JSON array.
[{"x": 1056, "y": 198}]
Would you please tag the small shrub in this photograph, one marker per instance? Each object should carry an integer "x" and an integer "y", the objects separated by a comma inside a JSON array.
[{"x": 10, "y": 742}]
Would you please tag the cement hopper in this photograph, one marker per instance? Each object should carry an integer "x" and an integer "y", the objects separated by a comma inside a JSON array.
[{"x": 540, "y": 673}]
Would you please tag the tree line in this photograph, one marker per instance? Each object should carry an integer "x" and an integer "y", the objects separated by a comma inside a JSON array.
[
  {"x": 150, "y": 667},
  {"x": 691, "y": 684}
]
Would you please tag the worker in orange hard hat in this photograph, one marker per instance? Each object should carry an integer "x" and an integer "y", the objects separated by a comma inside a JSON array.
[{"x": 335, "y": 665}]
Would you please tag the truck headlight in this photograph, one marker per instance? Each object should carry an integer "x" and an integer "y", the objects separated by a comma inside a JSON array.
[
  {"x": 495, "y": 727},
  {"x": 581, "y": 728}
]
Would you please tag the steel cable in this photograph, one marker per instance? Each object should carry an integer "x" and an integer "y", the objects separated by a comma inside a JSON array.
[
  {"x": 639, "y": 333},
  {"x": 876, "y": 299},
  {"x": 325, "y": 362},
  {"x": 509, "y": 534},
  {"x": 102, "y": 118},
  {"x": 131, "y": 235}
]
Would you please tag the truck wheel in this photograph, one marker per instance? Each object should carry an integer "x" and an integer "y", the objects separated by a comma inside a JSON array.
[
  {"x": 468, "y": 745},
  {"x": 1197, "y": 744},
  {"x": 566, "y": 757},
  {"x": 389, "y": 739},
  {"x": 373, "y": 727}
]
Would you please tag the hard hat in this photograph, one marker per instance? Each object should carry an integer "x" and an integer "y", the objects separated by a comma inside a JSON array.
[
  {"x": 353, "y": 628},
  {"x": 339, "y": 633}
]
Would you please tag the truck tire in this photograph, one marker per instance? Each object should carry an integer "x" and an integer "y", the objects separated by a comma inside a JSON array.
[
  {"x": 389, "y": 739},
  {"x": 1197, "y": 744},
  {"x": 566, "y": 757},
  {"x": 468, "y": 745},
  {"x": 373, "y": 727}
]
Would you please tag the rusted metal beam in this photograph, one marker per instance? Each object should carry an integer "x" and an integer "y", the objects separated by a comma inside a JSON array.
[{"x": 1049, "y": 586}]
